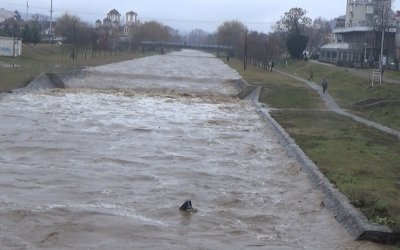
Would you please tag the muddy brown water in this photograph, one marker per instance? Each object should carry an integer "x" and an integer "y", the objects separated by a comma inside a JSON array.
[{"x": 106, "y": 163}]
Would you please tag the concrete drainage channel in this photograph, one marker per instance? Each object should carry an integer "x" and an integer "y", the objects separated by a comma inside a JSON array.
[{"x": 356, "y": 224}]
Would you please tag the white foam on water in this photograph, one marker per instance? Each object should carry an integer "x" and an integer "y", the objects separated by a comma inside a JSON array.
[{"x": 107, "y": 162}]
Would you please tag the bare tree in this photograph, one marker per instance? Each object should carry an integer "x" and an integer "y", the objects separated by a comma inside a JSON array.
[
  {"x": 383, "y": 20},
  {"x": 211, "y": 39},
  {"x": 274, "y": 47},
  {"x": 294, "y": 27},
  {"x": 155, "y": 31},
  {"x": 292, "y": 21},
  {"x": 94, "y": 39},
  {"x": 231, "y": 33},
  {"x": 197, "y": 36},
  {"x": 264, "y": 48},
  {"x": 75, "y": 32},
  {"x": 175, "y": 37},
  {"x": 40, "y": 18},
  {"x": 67, "y": 26},
  {"x": 135, "y": 37},
  {"x": 319, "y": 34}
]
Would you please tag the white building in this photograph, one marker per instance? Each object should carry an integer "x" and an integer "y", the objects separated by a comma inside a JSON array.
[
  {"x": 7, "y": 46},
  {"x": 113, "y": 20},
  {"x": 358, "y": 36},
  {"x": 5, "y": 14}
]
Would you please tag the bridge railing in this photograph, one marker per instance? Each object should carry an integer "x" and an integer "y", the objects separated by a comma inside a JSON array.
[{"x": 187, "y": 45}]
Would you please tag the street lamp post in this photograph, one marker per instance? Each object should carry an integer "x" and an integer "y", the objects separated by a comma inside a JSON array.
[
  {"x": 381, "y": 56},
  {"x": 51, "y": 21},
  {"x": 365, "y": 52},
  {"x": 383, "y": 25}
]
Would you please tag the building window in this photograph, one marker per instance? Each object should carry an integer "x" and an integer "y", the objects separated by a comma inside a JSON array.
[
  {"x": 339, "y": 38},
  {"x": 370, "y": 8},
  {"x": 344, "y": 56}
]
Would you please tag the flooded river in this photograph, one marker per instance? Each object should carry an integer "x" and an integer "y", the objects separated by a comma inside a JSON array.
[{"x": 107, "y": 162}]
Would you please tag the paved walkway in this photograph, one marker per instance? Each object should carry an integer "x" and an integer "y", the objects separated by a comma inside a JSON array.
[
  {"x": 361, "y": 72},
  {"x": 331, "y": 104}
]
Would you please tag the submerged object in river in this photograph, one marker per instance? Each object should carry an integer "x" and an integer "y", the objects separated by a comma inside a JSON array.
[{"x": 187, "y": 207}]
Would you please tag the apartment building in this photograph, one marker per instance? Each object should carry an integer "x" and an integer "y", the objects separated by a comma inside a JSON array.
[{"x": 358, "y": 37}]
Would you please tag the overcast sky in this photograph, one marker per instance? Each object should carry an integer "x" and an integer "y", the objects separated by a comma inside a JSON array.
[{"x": 186, "y": 15}]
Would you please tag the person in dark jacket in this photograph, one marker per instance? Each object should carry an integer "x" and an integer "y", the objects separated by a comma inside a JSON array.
[{"x": 324, "y": 85}]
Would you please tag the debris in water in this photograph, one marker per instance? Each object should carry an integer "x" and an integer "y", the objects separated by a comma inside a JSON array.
[{"x": 187, "y": 207}]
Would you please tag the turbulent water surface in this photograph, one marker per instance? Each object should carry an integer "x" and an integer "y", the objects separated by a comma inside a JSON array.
[{"x": 106, "y": 163}]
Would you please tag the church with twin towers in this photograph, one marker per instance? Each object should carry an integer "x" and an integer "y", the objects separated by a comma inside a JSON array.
[{"x": 113, "y": 20}]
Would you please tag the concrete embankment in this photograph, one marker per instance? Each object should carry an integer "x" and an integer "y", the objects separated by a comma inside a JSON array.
[
  {"x": 243, "y": 88},
  {"x": 50, "y": 81},
  {"x": 57, "y": 80},
  {"x": 355, "y": 222}
]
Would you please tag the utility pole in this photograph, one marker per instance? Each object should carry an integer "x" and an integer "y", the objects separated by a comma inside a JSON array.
[
  {"x": 245, "y": 51},
  {"x": 27, "y": 10},
  {"x": 383, "y": 36},
  {"x": 73, "y": 50},
  {"x": 51, "y": 19},
  {"x": 384, "y": 24},
  {"x": 381, "y": 56},
  {"x": 15, "y": 29},
  {"x": 14, "y": 39}
]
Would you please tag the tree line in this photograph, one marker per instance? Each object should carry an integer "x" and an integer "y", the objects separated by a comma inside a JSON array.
[
  {"x": 293, "y": 34},
  {"x": 80, "y": 37},
  {"x": 29, "y": 32}
]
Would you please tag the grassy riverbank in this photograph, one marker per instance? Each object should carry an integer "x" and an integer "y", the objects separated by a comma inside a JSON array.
[
  {"x": 363, "y": 162},
  {"x": 347, "y": 88},
  {"x": 279, "y": 91},
  {"x": 44, "y": 58}
]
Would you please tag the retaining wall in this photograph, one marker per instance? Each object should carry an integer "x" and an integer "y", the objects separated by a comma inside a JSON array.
[
  {"x": 356, "y": 224},
  {"x": 50, "y": 81},
  {"x": 243, "y": 88},
  {"x": 373, "y": 102}
]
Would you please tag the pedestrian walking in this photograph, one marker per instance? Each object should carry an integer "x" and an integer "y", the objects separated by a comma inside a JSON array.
[
  {"x": 382, "y": 70},
  {"x": 272, "y": 66},
  {"x": 324, "y": 85}
]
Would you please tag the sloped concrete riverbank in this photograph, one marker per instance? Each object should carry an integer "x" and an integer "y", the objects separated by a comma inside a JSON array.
[{"x": 106, "y": 162}]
